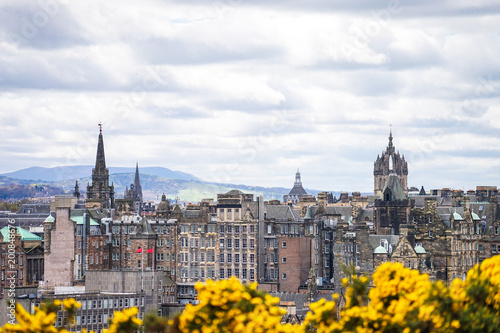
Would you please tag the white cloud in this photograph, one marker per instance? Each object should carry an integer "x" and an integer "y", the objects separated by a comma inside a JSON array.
[{"x": 250, "y": 91}]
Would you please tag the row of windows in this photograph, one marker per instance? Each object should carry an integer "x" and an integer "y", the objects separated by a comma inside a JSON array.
[
  {"x": 229, "y": 229},
  {"x": 20, "y": 260},
  {"x": 195, "y": 243},
  {"x": 193, "y": 228},
  {"x": 196, "y": 257},
  {"x": 245, "y": 274},
  {"x": 229, "y": 243},
  {"x": 244, "y": 258}
]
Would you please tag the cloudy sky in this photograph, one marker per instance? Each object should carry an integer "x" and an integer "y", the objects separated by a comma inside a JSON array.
[{"x": 247, "y": 91}]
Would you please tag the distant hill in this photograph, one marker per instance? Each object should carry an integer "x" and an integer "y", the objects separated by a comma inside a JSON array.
[
  {"x": 62, "y": 173},
  {"x": 154, "y": 181}
]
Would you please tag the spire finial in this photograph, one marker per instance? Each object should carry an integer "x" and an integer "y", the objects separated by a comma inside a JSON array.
[{"x": 100, "y": 127}]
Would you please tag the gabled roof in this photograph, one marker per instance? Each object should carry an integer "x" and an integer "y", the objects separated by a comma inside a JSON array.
[
  {"x": 25, "y": 234},
  {"x": 145, "y": 228}
]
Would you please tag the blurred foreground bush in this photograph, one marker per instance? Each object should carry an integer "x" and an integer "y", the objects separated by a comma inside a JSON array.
[{"x": 395, "y": 299}]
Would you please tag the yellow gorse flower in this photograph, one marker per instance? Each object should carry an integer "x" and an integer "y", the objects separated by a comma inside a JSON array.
[{"x": 400, "y": 300}]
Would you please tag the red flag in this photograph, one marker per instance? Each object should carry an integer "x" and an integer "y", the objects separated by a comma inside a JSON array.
[
  {"x": 139, "y": 250},
  {"x": 150, "y": 251}
]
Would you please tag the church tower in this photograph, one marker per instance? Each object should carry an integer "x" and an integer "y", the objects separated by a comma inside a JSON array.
[
  {"x": 135, "y": 192},
  {"x": 389, "y": 163},
  {"x": 100, "y": 193}
]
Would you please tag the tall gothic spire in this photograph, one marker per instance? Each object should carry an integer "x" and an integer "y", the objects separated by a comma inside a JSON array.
[
  {"x": 137, "y": 183},
  {"x": 100, "y": 189},
  {"x": 100, "y": 161}
]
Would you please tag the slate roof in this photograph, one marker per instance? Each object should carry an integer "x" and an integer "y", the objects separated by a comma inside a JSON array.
[
  {"x": 297, "y": 189},
  {"x": 393, "y": 184},
  {"x": 374, "y": 240},
  {"x": 280, "y": 212}
]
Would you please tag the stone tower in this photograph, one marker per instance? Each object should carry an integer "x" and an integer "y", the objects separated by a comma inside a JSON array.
[
  {"x": 389, "y": 163},
  {"x": 135, "y": 192},
  {"x": 100, "y": 193}
]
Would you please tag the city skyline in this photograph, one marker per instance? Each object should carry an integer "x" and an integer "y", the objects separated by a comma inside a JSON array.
[{"x": 247, "y": 93}]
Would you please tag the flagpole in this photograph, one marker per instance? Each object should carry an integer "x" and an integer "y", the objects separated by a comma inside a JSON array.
[
  {"x": 142, "y": 269},
  {"x": 153, "y": 267}
]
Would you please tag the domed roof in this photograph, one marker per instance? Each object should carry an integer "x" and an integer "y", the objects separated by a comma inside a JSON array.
[
  {"x": 164, "y": 205},
  {"x": 419, "y": 249},
  {"x": 380, "y": 250},
  {"x": 50, "y": 219}
]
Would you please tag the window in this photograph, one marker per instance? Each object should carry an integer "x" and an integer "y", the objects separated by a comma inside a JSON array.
[
  {"x": 311, "y": 230},
  {"x": 252, "y": 244},
  {"x": 221, "y": 243},
  {"x": 244, "y": 245},
  {"x": 229, "y": 272},
  {"x": 252, "y": 229},
  {"x": 283, "y": 276},
  {"x": 497, "y": 230},
  {"x": 229, "y": 243},
  {"x": 252, "y": 258},
  {"x": 236, "y": 229},
  {"x": 269, "y": 229},
  {"x": 244, "y": 258},
  {"x": 221, "y": 258},
  {"x": 283, "y": 245},
  {"x": 237, "y": 243},
  {"x": 283, "y": 260},
  {"x": 229, "y": 258},
  {"x": 430, "y": 235},
  {"x": 252, "y": 274}
]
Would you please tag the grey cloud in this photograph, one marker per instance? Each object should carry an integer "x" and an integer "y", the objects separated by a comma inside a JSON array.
[
  {"x": 40, "y": 25},
  {"x": 182, "y": 52}
]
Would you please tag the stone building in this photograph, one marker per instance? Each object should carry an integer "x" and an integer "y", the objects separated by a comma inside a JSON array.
[
  {"x": 21, "y": 257},
  {"x": 239, "y": 219},
  {"x": 388, "y": 163},
  {"x": 197, "y": 247},
  {"x": 286, "y": 261}
]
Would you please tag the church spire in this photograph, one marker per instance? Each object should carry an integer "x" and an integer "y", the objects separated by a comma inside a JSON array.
[
  {"x": 100, "y": 189},
  {"x": 137, "y": 183},
  {"x": 100, "y": 161},
  {"x": 390, "y": 137}
]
